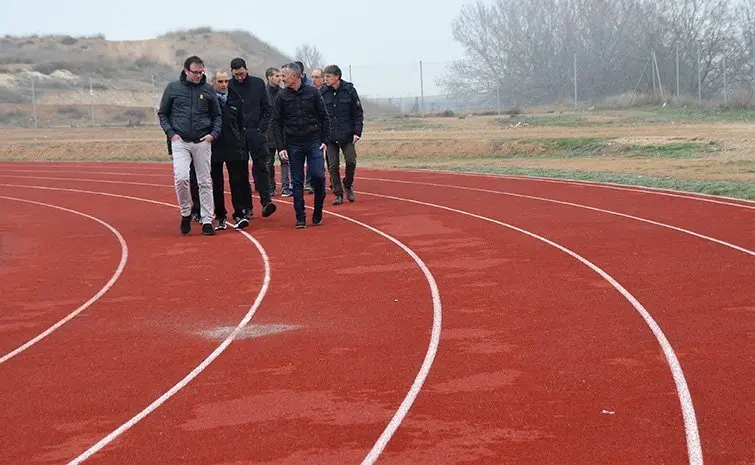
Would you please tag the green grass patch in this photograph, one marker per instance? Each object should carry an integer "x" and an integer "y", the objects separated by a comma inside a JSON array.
[
  {"x": 596, "y": 147},
  {"x": 739, "y": 190},
  {"x": 414, "y": 126},
  {"x": 689, "y": 115},
  {"x": 680, "y": 150},
  {"x": 565, "y": 120}
]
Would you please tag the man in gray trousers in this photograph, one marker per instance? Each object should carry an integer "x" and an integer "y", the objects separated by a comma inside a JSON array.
[{"x": 190, "y": 115}]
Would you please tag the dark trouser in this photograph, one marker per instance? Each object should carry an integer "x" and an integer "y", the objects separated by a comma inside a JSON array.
[
  {"x": 194, "y": 188},
  {"x": 312, "y": 155},
  {"x": 238, "y": 177},
  {"x": 285, "y": 173},
  {"x": 260, "y": 174},
  {"x": 350, "y": 156}
]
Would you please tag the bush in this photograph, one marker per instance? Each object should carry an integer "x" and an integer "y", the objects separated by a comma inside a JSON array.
[
  {"x": 71, "y": 112},
  {"x": 68, "y": 40}
]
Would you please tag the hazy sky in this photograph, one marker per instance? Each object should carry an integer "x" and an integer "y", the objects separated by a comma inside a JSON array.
[{"x": 371, "y": 35}]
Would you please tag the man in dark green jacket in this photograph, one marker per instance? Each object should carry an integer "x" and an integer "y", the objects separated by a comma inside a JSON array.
[
  {"x": 346, "y": 123},
  {"x": 190, "y": 116}
]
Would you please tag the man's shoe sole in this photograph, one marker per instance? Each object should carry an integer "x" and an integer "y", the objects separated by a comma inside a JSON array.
[
  {"x": 268, "y": 210},
  {"x": 243, "y": 223}
]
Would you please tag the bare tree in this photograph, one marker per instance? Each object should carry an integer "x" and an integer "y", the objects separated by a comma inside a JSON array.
[
  {"x": 310, "y": 56},
  {"x": 526, "y": 49}
]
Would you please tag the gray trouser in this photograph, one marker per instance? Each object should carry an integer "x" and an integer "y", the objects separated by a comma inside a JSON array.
[
  {"x": 350, "y": 157},
  {"x": 184, "y": 153}
]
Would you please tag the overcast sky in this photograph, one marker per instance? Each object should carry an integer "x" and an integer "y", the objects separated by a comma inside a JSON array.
[{"x": 374, "y": 36}]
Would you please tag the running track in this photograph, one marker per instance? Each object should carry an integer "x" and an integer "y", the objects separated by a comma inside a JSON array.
[{"x": 439, "y": 319}]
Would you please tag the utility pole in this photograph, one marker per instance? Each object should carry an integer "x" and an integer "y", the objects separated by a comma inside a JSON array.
[
  {"x": 34, "y": 104},
  {"x": 91, "y": 101},
  {"x": 421, "y": 90}
]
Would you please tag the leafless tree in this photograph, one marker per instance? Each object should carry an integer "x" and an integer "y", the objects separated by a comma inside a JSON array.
[
  {"x": 526, "y": 49},
  {"x": 310, "y": 56}
]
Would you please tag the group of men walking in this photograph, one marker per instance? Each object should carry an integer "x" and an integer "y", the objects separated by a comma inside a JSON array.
[{"x": 239, "y": 117}]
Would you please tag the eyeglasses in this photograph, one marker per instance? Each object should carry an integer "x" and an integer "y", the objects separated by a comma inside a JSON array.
[{"x": 196, "y": 73}]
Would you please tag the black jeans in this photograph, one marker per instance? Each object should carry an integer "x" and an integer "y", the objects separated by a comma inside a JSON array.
[
  {"x": 350, "y": 157},
  {"x": 238, "y": 178},
  {"x": 312, "y": 155},
  {"x": 259, "y": 172}
]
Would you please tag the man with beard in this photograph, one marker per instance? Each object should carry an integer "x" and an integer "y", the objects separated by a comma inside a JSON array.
[{"x": 257, "y": 112}]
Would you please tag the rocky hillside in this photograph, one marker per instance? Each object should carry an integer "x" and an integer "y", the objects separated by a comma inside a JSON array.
[{"x": 61, "y": 70}]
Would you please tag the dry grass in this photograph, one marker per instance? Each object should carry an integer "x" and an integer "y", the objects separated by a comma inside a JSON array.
[{"x": 622, "y": 143}]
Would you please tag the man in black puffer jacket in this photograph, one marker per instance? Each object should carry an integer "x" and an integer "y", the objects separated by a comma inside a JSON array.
[
  {"x": 190, "y": 115},
  {"x": 346, "y": 123},
  {"x": 230, "y": 150}
]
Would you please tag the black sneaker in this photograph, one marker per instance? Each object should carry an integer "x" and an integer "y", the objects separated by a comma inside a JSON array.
[
  {"x": 301, "y": 224},
  {"x": 220, "y": 224},
  {"x": 185, "y": 224},
  {"x": 241, "y": 223},
  {"x": 350, "y": 193},
  {"x": 208, "y": 230},
  {"x": 268, "y": 209},
  {"x": 317, "y": 219},
  {"x": 338, "y": 200}
]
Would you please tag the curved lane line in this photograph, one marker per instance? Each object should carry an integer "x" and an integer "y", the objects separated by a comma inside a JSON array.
[
  {"x": 405, "y": 405},
  {"x": 604, "y": 185},
  {"x": 577, "y": 205},
  {"x": 694, "y": 447},
  {"x": 88, "y": 303}
]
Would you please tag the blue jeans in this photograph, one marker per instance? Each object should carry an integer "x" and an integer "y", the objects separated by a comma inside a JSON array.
[{"x": 312, "y": 155}]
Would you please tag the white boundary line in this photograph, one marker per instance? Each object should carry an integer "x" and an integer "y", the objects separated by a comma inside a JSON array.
[
  {"x": 694, "y": 447},
  {"x": 145, "y": 164},
  {"x": 405, "y": 405},
  {"x": 577, "y": 205},
  {"x": 473, "y": 189},
  {"x": 578, "y": 182},
  {"x": 205, "y": 363},
  {"x": 708, "y": 198},
  {"x": 88, "y": 303}
]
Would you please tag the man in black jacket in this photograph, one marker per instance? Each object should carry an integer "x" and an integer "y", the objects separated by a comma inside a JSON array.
[
  {"x": 301, "y": 126},
  {"x": 257, "y": 112},
  {"x": 273, "y": 76},
  {"x": 346, "y": 123},
  {"x": 230, "y": 149},
  {"x": 190, "y": 116}
]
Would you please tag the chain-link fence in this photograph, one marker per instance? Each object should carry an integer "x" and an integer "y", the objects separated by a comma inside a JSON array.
[{"x": 63, "y": 99}]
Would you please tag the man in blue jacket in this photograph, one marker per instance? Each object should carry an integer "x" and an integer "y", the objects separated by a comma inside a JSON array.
[{"x": 190, "y": 116}]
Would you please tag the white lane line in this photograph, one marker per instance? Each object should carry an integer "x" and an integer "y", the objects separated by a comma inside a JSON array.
[
  {"x": 710, "y": 198},
  {"x": 427, "y": 362},
  {"x": 446, "y": 186},
  {"x": 605, "y": 185},
  {"x": 577, "y": 205},
  {"x": 119, "y": 269},
  {"x": 694, "y": 446},
  {"x": 196, "y": 371}
]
